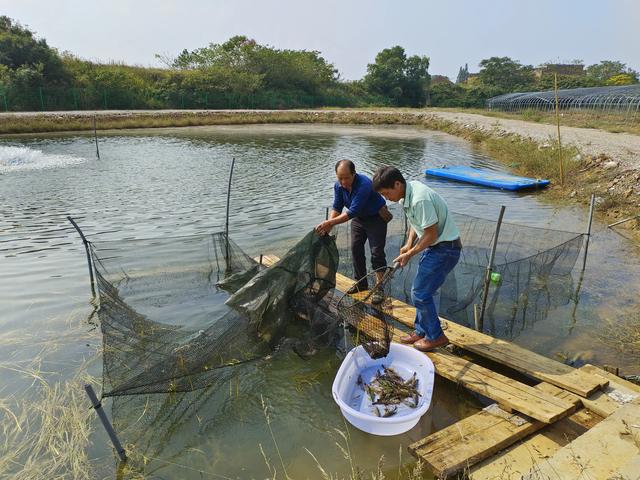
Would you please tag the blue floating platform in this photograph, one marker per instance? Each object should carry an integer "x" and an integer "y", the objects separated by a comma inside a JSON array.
[{"x": 486, "y": 178}]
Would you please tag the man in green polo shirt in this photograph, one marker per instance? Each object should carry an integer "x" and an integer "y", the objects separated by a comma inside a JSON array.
[{"x": 433, "y": 235}]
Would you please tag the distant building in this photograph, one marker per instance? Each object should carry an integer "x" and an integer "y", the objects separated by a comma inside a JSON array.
[
  {"x": 570, "y": 69},
  {"x": 438, "y": 79},
  {"x": 463, "y": 73}
]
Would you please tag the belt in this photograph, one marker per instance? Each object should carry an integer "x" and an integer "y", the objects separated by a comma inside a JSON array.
[{"x": 449, "y": 243}]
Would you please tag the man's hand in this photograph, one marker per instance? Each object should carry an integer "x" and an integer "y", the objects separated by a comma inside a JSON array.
[
  {"x": 405, "y": 249},
  {"x": 324, "y": 228},
  {"x": 403, "y": 258}
]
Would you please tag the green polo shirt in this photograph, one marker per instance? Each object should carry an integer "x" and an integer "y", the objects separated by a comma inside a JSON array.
[{"x": 424, "y": 207}]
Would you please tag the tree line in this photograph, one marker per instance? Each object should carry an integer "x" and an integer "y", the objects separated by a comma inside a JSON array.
[
  {"x": 499, "y": 75},
  {"x": 243, "y": 73}
]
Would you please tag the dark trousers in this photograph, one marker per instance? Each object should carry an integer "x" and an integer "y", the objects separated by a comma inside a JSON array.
[{"x": 373, "y": 229}]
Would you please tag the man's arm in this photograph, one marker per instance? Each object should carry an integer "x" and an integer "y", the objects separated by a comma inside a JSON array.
[
  {"x": 411, "y": 239},
  {"x": 336, "y": 216},
  {"x": 428, "y": 237}
]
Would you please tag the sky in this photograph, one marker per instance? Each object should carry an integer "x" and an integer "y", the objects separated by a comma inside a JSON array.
[{"x": 348, "y": 33}]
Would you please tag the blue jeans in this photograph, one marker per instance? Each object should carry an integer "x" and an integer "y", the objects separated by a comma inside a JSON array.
[{"x": 434, "y": 265}]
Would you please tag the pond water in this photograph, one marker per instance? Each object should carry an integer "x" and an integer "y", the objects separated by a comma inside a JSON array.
[{"x": 172, "y": 182}]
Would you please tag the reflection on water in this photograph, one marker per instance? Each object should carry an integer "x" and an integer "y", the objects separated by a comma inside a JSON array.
[{"x": 172, "y": 182}]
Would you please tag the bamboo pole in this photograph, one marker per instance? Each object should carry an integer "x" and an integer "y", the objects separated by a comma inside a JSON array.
[
  {"x": 586, "y": 245},
  {"x": 226, "y": 223},
  {"x": 555, "y": 88},
  {"x": 476, "y": 317},
  {"x": 95, "y": 135},
  {"x": 622, "y": 221},
  {"x": 86, "y": 249},
  {"x": 487, "y": 278}
]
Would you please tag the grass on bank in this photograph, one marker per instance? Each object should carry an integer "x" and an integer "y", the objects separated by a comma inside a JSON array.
[{"x": 45, "y": 427}]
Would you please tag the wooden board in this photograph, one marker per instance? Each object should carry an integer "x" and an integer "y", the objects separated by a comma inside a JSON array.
[
  {"x": 609, "y": 446},
  {"x": 621, "y": 383},
  {"x": 513, "y": 462},
  {"x": 472, "y": 439},
  {"x": 508, "y": 392},
  {"x": 618, "y": 392},
  {"x": 504, "y": 390},
  {"x": 628, "y": 471},
  {"x": 502, "y": 351},
  {"x": 479, "y": 436}
]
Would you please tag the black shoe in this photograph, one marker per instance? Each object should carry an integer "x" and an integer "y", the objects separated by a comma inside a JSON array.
[{"x": 356, "y": 289}]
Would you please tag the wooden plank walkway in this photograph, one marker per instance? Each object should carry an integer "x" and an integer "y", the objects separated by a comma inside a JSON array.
[
  {"x": 479, "y": 436},
  {"x": 506, "y": 391},
  {"x": 611, "y": 445},
  {"x": 509, "y": 354},
  {"x": 515, "y": 461},
  {"x": 498, "y": 442}
]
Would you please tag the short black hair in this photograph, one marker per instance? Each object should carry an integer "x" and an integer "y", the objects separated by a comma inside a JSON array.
[
  {"x": 349, "y": 163},
  {"x": 386, "y": 177}
]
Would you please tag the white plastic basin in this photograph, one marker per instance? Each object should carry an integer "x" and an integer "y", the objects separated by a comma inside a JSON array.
[{"x": 355, "y": 404}]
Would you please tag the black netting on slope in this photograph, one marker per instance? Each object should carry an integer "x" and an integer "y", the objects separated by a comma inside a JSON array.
[{"x": 179, "y": 314}]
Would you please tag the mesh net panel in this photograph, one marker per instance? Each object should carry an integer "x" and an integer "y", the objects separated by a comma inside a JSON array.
[
  {"x": 372, "y": 321},
  {"x": 179, "y": 314},
  {"x": 533, "y": 265},
  {"x": 304, "y": 276},
  {"x": 165, "y": 324}
]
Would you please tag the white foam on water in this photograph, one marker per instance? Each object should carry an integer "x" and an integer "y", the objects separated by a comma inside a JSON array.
[{"x": 14, "y": 159}]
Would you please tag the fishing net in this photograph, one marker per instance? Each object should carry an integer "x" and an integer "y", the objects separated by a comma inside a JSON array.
[
  {"x": 532, "y": 273},
  {"x": 371, "y": 319},
  {"x": 191, "y": 324},
  {"x": 180, "y": 314}
]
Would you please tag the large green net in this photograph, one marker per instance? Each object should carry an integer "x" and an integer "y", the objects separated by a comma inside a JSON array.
[
  {"x": 178, "y": 314},
  {"x": 188, "y": 321}
]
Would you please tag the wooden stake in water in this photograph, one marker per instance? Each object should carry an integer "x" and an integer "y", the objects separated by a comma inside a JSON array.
[
  {"x": 86, "y": 248},
  {"x": 555, "y": 88},
  {"x": 487, "y": 278},
  {"x": 95, "y": 135},
  {"x": 97, "y": 405},
  {"x": 586, "y": 243},
  {"x": 226, "y": 223}
]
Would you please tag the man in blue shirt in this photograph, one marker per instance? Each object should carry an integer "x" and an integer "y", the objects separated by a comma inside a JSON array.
[{"x": 369, "y": 215}]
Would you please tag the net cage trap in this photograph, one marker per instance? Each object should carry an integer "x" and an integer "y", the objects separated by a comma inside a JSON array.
[{"x": 187, "y": 315}]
